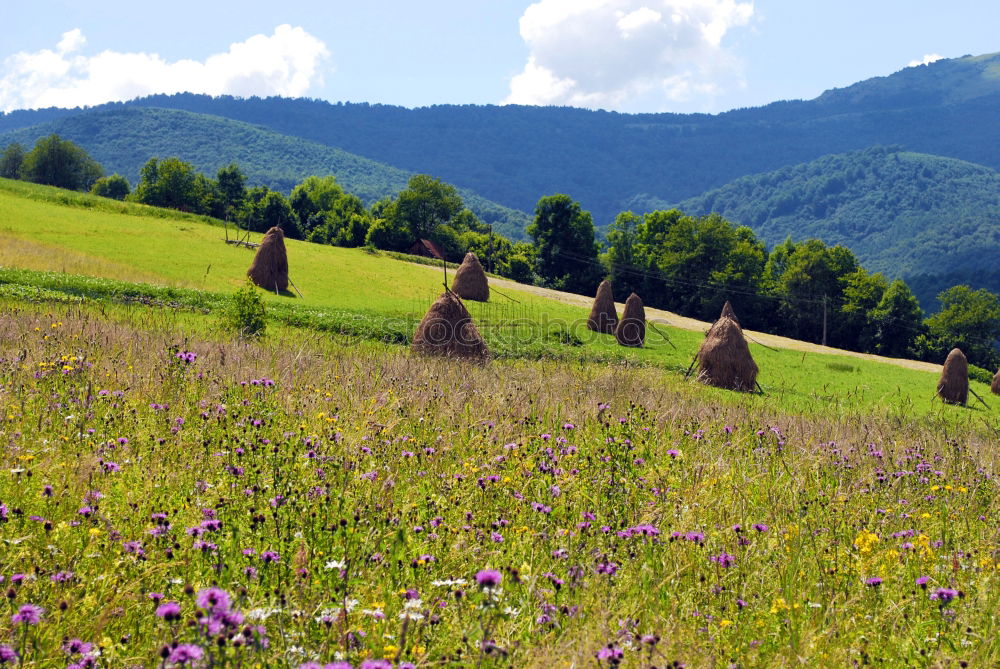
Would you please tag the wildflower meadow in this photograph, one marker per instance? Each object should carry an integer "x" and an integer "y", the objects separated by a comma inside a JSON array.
[{"x": 179, "y": 500}]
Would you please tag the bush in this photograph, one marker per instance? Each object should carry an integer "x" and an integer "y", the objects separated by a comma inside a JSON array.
[
  {"x": 115, "y": 187},
  {"x": 246, "y": 315},
  {"x": 980, "y": 374}
]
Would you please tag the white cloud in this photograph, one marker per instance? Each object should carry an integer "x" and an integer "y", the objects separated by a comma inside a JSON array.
[
  {"x": 928, "y": 59},
  {"x": 636, "y": 20},
  {"x": 286, "y": 63},
  {"x": 610, "y": 53}
]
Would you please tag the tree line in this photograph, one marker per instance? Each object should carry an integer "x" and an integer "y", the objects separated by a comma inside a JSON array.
[{"x": 691, "y": 265}]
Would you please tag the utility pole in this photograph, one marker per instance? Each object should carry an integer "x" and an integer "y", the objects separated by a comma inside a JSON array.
[{"x": 824, "y": 319}]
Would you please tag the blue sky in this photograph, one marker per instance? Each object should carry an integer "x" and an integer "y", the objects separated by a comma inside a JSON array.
[{"x": 627, "y": 55}]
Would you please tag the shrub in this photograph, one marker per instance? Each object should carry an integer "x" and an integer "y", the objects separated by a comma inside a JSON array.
[
  {"x": 980, "y": 374},
  {"x": 246, "y": 315}
]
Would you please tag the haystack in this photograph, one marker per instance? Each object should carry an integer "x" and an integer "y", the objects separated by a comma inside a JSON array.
[
  {"x": 470, "y": 280},
  {"x": 727, "y": 312},
  {"x": 724, "y": 359},
  {"x": 631, "y": 329},
  {"x": 269, "y": 269},
  {"x": 995, "y": 386},
  {"x": 603, "y": 316},
  {"x": 447, "y": 329},
  {"x": 953, "y": 387}
]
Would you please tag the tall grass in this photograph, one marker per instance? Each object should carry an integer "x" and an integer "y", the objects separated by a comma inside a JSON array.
[{"x": 345, "y": 499}]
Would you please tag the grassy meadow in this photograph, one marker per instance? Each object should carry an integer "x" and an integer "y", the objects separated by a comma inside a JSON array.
[
  {"x": 171, "y": 496},
  {"x": 56, "y": 243}
]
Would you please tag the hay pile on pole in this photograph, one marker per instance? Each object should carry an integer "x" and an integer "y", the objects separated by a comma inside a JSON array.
[
  {"x": 603, "y": 316},
  {"x": 447, "y": 329},
  {"x": 724, "y": 359},
  {"x": 470, "y": 280},
  {"x": 727, "y": 312},
  {"x": 953, "y": 387},
  {"x": 631, "y": 329},
  {"x": 269, "y": 269},
  {"x": 995, "y": 386}
]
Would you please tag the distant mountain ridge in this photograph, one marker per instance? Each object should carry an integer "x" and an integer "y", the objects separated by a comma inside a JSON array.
[{"x": 611, "y": 161}]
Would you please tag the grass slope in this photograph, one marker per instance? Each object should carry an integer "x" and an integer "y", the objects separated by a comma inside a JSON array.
[
  {"x": 386, "y": 297},
  {"x": 122, "y": 139}
]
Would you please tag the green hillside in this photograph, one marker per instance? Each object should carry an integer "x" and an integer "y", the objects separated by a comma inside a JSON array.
[
  {"x": 57, "y": 246},
  {"x": 908, "y": 215},
  {"x": 122, "y": 139}
]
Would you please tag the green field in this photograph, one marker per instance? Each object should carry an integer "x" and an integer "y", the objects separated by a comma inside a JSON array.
[{"x": 47, "y": 229}]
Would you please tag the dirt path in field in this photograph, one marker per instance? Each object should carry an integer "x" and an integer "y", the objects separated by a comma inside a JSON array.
[{"x": 684, "y": 323}]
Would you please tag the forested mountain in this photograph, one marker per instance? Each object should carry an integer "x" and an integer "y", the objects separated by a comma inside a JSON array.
[
  {"x": 905, "y": 214},
  {"x": 610, "y": 161},
  {"x": 123, "y": 138}
]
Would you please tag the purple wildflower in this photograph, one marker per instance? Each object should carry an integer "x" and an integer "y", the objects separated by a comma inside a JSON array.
[
  {"x": 723, "y": 559},
  {"x": 7, "y": 654},
  {"x": 270, "y": 556},
  {"x": 169, "y": 611},
  {"x": 29, "y": 614},
  {"x": 214, "y": 600},
  {"x": 489, "y": 578},
  {"x": 609, "y": 568},
  {"x": 376, "y": 664},
  {"x": 185, "y": 653},
  {"x": 610, "y": 653},
  {"x": 75, "y": 646},
  {"x": 134, "y": 548},
  {"x": 944, "y": 595},
  {"x": 873, "y": 582}
]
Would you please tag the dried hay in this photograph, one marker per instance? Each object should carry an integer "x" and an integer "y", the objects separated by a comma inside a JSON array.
[
  {"x": 269, "y": 269},
  {"x": 470, "y": 281},
  {"x": 724, "y": 358},
  {"x": 603, "y": 316},
  {"x": 727, "y": 312},
  {"x": 631, "y": 329},
  {"x": 447, "y": 329},
  {"x": 953, "y": 387}
]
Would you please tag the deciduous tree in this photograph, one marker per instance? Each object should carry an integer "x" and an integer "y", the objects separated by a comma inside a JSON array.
[
  {"x": 59, "y": 162},
  {"x": 564, "y": 241},
  {"x": 11, "y": 161}
]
